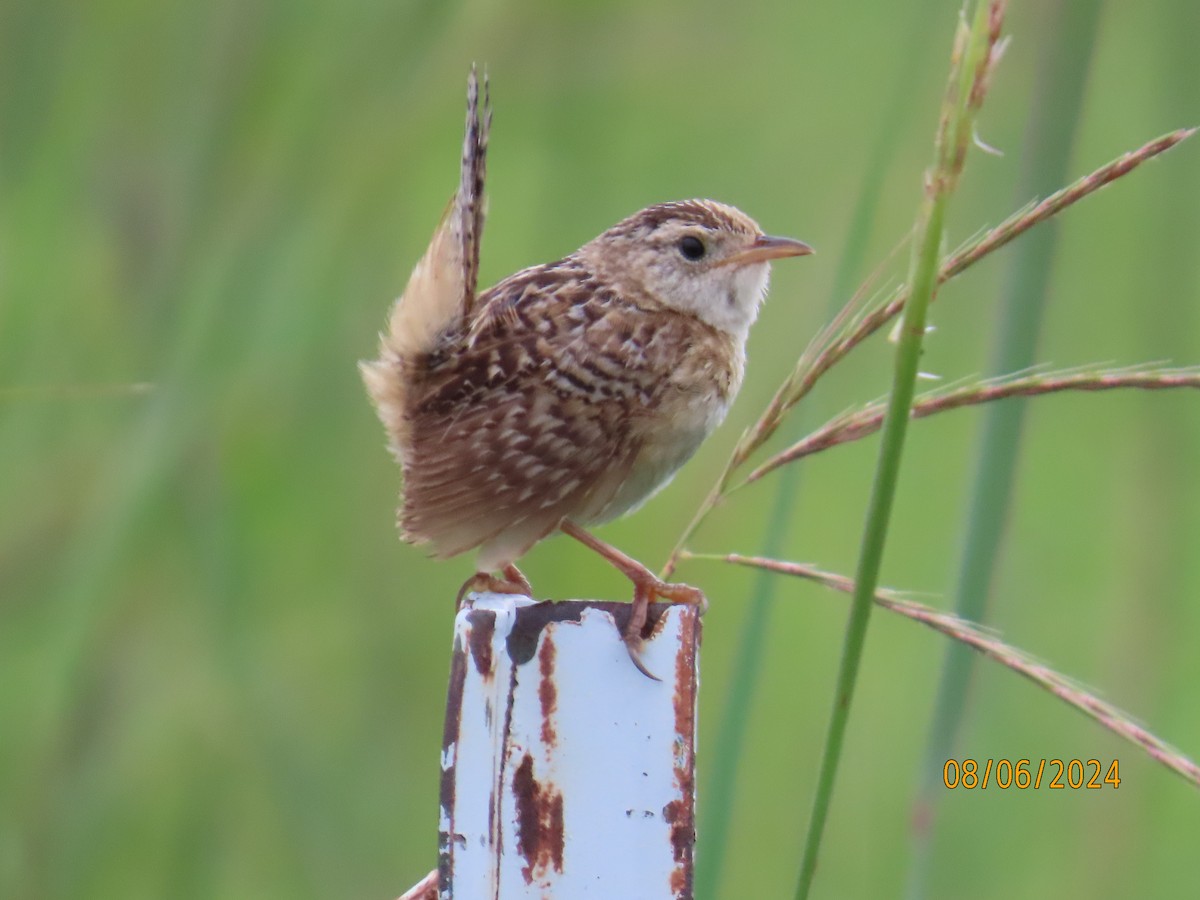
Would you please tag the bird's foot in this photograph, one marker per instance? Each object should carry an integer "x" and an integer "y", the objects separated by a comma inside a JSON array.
[
  {"x": 647, "y": 587},
  {"x": 513, "y": 582}
]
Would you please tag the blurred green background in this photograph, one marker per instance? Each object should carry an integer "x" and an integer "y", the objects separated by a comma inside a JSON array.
[{"x": 221, "y": 675}]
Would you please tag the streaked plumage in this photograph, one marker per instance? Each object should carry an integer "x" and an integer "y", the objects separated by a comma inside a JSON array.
[{"x": 568, "y": 391}]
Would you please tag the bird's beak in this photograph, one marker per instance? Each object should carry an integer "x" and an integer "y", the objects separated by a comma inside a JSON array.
[{"x": 765, "y": 248}]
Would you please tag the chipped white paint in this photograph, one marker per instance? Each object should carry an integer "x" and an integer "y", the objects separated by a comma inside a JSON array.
[{"x": 566, "y": 772}]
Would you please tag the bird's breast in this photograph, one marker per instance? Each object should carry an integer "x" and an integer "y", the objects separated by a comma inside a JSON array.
[{"x": 691, "y": 402}]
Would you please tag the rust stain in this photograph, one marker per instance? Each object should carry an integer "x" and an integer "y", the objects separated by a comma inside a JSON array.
[
  {"x": 621, "y": 612},
  {"x": 522, "y": 641},
  {"x": 684, "y": 699},
  {"x": 492, "y": 811},
  {"x": 425, "y": 889},
  {"x": 680, "y": 883},
  {"x": 454, "y": 696},
  {"x": 480, "y": 636},
  {"x": 656, "y": 620},
  {"x": 540, "y": 835},
  {"x": 496, "y": 833},
  {"x": 548, "y": 690},
  {"x": 450, "y": 732},
  {"x": 679, "y": 814}
]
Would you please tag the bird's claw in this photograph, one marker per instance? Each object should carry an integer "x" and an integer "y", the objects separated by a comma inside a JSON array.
[
  {"x": 634, "y": 645},
  {"x": 644, "y": 593},
  {"x": 513, "y": 582}
]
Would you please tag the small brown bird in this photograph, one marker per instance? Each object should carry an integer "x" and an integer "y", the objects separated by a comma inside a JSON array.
[{"x": 570, "y": 392}]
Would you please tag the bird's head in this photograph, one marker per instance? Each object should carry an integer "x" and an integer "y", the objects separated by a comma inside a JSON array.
[{"x": 696, "y": 256}]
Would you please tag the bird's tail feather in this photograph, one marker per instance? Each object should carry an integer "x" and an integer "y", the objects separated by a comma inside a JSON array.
[
  {"x": 442, "y": 288},
  {"x": 440, "y": 294}
]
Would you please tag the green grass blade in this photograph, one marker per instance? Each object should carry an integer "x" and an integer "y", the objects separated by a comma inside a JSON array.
[
  {"x": 971, "y": 64},
  {"x": 716, "y": 811},
  {"x": 1066, "y": 56}
]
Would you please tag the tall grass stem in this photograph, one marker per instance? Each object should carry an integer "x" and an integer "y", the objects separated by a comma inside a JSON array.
[
  {"x": 970, "y": 70},
  {"x": 1054, "y": 119}
]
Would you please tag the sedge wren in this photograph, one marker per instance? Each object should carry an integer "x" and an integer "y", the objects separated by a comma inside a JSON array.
[{"x": 570, "y": 392}]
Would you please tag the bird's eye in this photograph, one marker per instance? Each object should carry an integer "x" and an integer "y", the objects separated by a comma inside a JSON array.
[{"x": 691, "y": 247}]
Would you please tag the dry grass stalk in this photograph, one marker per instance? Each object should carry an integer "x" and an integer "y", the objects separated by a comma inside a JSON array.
[
  {"x": 857, "y": 424},
  {"x": 836, "y": 342},
  {"x": 1115, "y": 720}
]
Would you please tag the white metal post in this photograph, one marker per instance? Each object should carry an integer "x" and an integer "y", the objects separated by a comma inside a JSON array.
[{"x": 566, "y": 772}]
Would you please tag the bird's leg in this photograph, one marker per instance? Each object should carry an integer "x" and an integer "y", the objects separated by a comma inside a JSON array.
[
  {"x": 514, "y": 578},
  {"x": 646, "y": 588},
  {"x": 513, "y": 582}
]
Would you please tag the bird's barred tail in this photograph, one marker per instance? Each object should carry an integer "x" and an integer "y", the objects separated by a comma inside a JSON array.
[
  {"x": 440, "y": 295},
  {"x": 469, "y": 206}
]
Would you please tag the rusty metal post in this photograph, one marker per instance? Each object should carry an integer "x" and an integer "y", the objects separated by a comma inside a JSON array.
[
  {"x": 566, "y": 772},
  {"x": 425, "y": 889}
]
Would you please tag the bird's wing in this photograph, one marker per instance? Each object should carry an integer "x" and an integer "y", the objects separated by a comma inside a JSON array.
[
  {"x": 441, "y": 291},
  {"x": 529, "y": 420}
]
